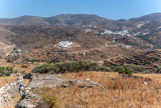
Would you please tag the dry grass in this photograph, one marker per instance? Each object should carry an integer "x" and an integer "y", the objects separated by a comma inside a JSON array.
[
  {"x": 18, "y": 67},
  {"x": 118, "y": 92},
  {"x": 9, "y": 79}
]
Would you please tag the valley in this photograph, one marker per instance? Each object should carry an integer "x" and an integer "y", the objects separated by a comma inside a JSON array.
[{"x": 81, "y": 60}]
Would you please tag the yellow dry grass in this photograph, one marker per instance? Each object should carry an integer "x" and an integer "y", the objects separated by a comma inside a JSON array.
[
  {"x": 118, "y": 92},
  {"x": 9, "y": 79}
]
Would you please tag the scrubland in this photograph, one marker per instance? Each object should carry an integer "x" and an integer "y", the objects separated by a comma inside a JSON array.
[{"x": 116, "y": 92}]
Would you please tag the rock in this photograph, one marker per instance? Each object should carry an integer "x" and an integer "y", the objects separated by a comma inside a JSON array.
[{"x": 29, "y": 100}]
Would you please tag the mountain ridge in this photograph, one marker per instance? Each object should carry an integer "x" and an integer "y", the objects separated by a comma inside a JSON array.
[{"x": 79, "y": 20}]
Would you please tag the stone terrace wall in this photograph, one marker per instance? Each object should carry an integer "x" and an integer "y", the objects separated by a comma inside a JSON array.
[{"x": 10, "y": 90}]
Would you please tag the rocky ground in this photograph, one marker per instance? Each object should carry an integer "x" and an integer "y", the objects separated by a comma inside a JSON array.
[{"x": 30, "y": 100}]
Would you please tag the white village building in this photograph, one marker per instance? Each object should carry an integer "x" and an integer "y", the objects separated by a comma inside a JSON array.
[{"x": 64, "y": 44}]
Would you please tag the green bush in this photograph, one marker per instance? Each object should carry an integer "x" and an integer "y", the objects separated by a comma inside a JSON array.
[
  {"x": 136, "y": 69},
  {"x": 125, "y": 71},
  {"x": 6, "y": 71},
  {"x": 73, "y": 66},
  {"x": 153, "y": 59}
]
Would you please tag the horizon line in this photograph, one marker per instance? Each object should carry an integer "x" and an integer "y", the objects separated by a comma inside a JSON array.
[{"x": 78, "y": 14}]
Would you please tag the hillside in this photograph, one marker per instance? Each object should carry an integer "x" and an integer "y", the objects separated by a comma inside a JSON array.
[
  {"x": 147, "y": 18},
  {"x": 148, "y": 59},
  {"x": 79, "y": 20},
  {"x": 68, "y": 20},
  {"x": 91, "y": 37},
  {"x": 147, "y": 27},
  {"x": 38, "y": 43}
]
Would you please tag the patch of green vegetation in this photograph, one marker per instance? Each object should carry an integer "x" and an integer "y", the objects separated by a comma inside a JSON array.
[
  {"x": 157, "y": 70},
  {"x": 135, "y": 69},
  {"x": 53, "y": 61},
  {"x": 153, "y": 59},
  {"x": 6, "y": 71},
  {"x": 125, "y": 71},
  {"x": 11, "y": 59},
  {"x": 73, "y": 66}
]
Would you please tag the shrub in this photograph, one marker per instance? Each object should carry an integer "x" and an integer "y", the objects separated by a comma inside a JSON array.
[
  {"x": 6, "y": 71},
  {"x": 153, "y": 59},
  {"x": 136, "y": 69},
  {"x": 73, "y": 66},
  {"x": 24, "y": 66},
  {"x": 125, "y": 71}
]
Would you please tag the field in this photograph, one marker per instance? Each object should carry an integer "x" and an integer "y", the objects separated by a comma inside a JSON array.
[{"x": 115, "y": 92}]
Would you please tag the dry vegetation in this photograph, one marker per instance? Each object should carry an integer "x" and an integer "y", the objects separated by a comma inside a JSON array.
[
  {"x": 16, "y": 67},
  {"x": 26, "y": 68},
  {"x": 9, "y": 79},
  {"x": 118, "y": 92}
]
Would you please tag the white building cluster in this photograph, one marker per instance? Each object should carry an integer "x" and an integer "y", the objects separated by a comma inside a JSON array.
[
  {"x": 64, "y": 44},
  {"x": 140, "y": 33},
  {"x": 122, "y": 33}
]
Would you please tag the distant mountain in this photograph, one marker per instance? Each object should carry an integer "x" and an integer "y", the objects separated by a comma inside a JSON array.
[
  {"x": 79, "y": 20},
  {"x": 68, "y": 20},
  {"x": 147, "y": 18},
  {"x": 150, "y": 24},
  {"x": 23, "y": 21}
]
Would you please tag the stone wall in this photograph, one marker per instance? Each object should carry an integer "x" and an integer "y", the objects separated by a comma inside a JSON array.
[{"x": 10, "y": 90}]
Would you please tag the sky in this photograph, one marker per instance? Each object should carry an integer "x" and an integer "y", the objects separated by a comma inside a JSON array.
[{"x": 111, "y": 9}]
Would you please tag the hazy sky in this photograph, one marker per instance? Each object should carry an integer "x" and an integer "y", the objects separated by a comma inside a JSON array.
[{"x": 112, "y": 9}]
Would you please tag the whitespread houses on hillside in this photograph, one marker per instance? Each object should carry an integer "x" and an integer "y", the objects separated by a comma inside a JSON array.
[{"x": 64, "y": 44}]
